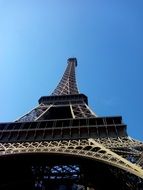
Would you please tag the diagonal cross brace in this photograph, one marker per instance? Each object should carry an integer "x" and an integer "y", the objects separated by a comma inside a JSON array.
[{"x": 120, "y": 161}]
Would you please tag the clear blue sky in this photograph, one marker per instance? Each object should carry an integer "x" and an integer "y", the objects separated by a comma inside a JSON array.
[{"x": 106, "y": 36}]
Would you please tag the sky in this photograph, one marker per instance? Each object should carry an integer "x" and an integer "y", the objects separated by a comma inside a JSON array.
[{"x": 106, "y": 37}]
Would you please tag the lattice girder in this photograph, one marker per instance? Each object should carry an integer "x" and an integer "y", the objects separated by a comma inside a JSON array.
[
  {"x": 82, "y": 111},
  {"x": 77, "y": 105},
  {"x": 89, "y": 148},
  {"x": 35, "y": 113},
  {"x": 63, "y": 124},
  {"x": 68, "y": 85}
]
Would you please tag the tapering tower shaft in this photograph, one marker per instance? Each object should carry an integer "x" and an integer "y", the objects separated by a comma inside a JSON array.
[
  {"x": 65, "y": 99},
  {"x": 68, "y": 85},
  {"x": 63, "y": 141}
]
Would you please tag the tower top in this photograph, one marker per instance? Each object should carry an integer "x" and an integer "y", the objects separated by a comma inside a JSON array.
[{"x": 72, "y": 60}]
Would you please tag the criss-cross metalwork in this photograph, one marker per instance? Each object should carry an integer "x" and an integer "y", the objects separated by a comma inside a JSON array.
[
  {"x": 64, "y": 124},
  {"x": 68, "y": 95},
  {"x": 68, "y": 84}
]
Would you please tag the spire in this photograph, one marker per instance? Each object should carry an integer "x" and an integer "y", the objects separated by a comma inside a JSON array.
[{"x": 67, "y": 85}]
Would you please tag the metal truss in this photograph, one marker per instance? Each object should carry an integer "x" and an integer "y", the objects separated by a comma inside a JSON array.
[
  {"x": 68, "y": 84},
  {"x": 35, "y": 114},
  {"x": 88, "y": 148},
  {"x": 121, "y": 142},
  {"x": 126, "y": 147},
  {"x": 81, "y": 111},
  {"x": 140, "y": 161},
  {"x": 101, "y": 139},
  {"x": 77, "y": 110}
]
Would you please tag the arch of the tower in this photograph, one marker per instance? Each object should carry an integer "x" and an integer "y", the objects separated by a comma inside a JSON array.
[
  {"x": 54, "y": 169},
  {"x": 81, "y": 148}
]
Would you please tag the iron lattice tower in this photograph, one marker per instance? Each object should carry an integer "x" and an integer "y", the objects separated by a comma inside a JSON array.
[{"x": 63, "y": 144}]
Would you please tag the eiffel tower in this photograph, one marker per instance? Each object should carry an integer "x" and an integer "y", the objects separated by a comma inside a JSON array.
[{"x": 62, "y": 144}]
